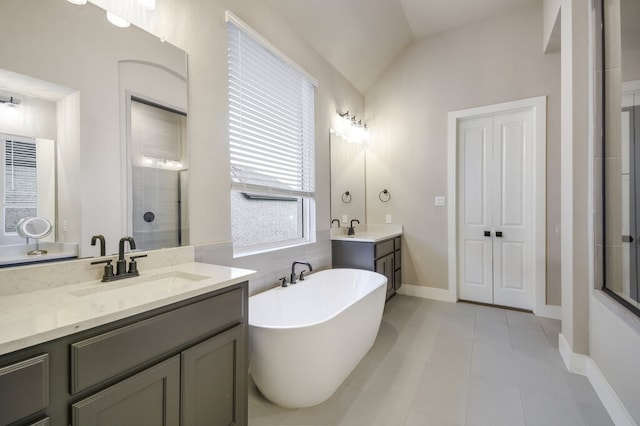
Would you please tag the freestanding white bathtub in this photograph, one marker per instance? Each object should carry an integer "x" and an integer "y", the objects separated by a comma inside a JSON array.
[{"x": 307, "y": 338}]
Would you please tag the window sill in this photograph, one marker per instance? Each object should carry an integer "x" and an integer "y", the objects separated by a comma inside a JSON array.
[{"x": 264, "y": 250}]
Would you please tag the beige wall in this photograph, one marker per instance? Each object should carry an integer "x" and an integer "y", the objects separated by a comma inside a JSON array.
[{"x": 493, "y": 61}]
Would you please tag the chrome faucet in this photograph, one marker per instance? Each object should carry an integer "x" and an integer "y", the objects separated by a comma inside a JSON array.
[
  {"x": 293, "y": 271},
  {"x": 102, "y": 243},
  {"x": 352, "y": 230}
]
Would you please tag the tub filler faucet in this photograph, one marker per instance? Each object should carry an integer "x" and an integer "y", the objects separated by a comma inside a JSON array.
[{"x": 293, "y": 271}]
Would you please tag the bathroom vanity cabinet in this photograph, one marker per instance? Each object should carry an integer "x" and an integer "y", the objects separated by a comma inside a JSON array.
[
  {"x": 183, "y": 364},
  {"x": 382, "y": 256}
]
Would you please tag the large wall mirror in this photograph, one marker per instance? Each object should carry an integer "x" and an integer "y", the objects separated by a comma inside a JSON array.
[
  {"x": 620, "y": 157},
  {"x": 104, "y": 110},
  {"x": 347, "y": 179}
]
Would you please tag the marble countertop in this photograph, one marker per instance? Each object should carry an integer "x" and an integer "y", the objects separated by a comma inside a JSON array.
[
  {"x": 369, "y": 233},
  {"x": 36, "y": 317}
]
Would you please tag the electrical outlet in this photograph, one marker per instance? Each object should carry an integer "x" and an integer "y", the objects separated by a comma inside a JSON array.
[
  {"x": 388, "y": 218},
  {"x": 440, "y": 201},
  {"x": 345, "y": 218},
  {"x": 64, "y": 226}
]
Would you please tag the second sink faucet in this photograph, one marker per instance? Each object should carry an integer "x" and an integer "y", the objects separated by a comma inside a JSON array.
[
  {"x": 352, "y": 230},
  {"x": 293, "y": 270},
  {"x": 100, "y": 238},
  {"x": 121, "y": 264}
]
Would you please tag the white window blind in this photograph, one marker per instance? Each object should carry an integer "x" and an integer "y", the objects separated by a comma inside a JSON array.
[
  {"x": 271, "y": 119},
  {"x": 20, "y": 173}
]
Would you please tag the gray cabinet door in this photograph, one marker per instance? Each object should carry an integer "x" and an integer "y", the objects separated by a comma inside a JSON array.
[
  {"x": 24, "y": 388},
  {"x": 385, "y": 267},
  {"x": 214, "y": 381},
  {"x": 150, "y": 398}
]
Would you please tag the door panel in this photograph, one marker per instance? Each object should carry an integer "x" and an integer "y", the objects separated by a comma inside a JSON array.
[
  {"x": 474, "y": 268},
  {"x": 512, "y": 171},
  {"x": 513, "y": 202},
  {"x": 477, "y": 273}
]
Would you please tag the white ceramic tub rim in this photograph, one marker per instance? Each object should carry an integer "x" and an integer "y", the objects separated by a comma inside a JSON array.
[{"x": 377, "y": 280}]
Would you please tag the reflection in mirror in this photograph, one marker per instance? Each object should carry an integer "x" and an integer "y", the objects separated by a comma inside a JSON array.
[
  {"x": 36, "y": 228},
  {"x": 621, "y": 151},
  {"x": 158, "y": 171},
  {"x": 28, "y": 174},
  {"x": 74, "y": 75},
  {"x": 347, "y": 175}
]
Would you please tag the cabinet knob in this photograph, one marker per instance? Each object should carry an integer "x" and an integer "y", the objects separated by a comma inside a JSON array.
[{"x": 487, "y": 233}]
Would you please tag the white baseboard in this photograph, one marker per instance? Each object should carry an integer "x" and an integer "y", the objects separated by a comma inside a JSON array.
[
  {"x": 549, "y": 311},
  {"x": 584, "y": 365},
  {"x": 426, "y": 292},
  {"x": 575, "y": 363}
]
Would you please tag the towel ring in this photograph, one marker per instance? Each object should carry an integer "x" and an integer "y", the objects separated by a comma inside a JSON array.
[
  {"x": 346, "y": 197},
  {"x": 384, "y": 196}
]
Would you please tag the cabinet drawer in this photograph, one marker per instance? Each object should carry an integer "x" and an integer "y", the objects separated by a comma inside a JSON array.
[
  {"x": 397, "y": 242},
  {"x": 24, "y": 388},
  {"x": 397, "y": 261},
  {"x": 383, "y": 248},
  {"x": 43, "y": 422},
  {"x": 110, "y": 354}
]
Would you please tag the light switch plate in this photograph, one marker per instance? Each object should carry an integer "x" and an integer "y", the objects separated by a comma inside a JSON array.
[
  {"x": 345, "y": 218},
  {"x": 440, "y": 201},
  {"x": 388, "y": 218}
]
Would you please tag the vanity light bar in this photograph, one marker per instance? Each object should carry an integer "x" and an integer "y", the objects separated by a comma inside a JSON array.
[{"x": 351, "y": 129}]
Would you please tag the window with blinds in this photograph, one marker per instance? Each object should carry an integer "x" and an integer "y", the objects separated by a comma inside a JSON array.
[
  {"x": 20, "y": 195},
  {"x": 271, "y": 143}
]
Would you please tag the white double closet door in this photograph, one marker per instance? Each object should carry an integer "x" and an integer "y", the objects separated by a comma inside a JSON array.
[{"x": 496, "y": 211}]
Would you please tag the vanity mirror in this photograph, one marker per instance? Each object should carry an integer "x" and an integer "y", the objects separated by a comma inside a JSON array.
[
  {"x": 347, "y": 180},
  {"x": 69, "y": 62},
  {"x": 620, "y": 159}
]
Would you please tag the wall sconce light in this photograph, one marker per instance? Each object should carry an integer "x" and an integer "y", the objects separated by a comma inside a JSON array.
[
  {"x": 351, "y": 129},
  {"x": 117, "y": 21},
  {"x": 80, "y": 2}
]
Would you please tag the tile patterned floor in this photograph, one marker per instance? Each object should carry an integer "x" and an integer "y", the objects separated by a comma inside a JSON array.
[{"x": 438, "y": 363}]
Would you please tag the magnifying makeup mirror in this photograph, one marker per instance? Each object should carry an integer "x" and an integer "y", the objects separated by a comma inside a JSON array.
[{"x": 36, "y": 228}]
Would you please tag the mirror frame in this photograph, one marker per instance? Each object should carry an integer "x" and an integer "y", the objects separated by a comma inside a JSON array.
[{"x": 600, "y": 113}]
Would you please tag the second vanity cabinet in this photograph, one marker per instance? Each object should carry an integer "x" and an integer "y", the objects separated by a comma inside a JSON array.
[
  {"x": 184, "y": 364},
  {"x": 383, "y": 257}
]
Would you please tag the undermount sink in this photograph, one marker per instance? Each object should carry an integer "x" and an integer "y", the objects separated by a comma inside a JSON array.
[{"x": 143, "y": 283}]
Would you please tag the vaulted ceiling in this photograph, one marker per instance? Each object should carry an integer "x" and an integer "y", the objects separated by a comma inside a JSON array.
[{"x": 361, "y": 38}]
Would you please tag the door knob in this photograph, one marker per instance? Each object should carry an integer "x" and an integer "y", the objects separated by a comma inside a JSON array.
[
  {"x": 499, "y": 234},
  {"x": 487, "y": 233}
]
